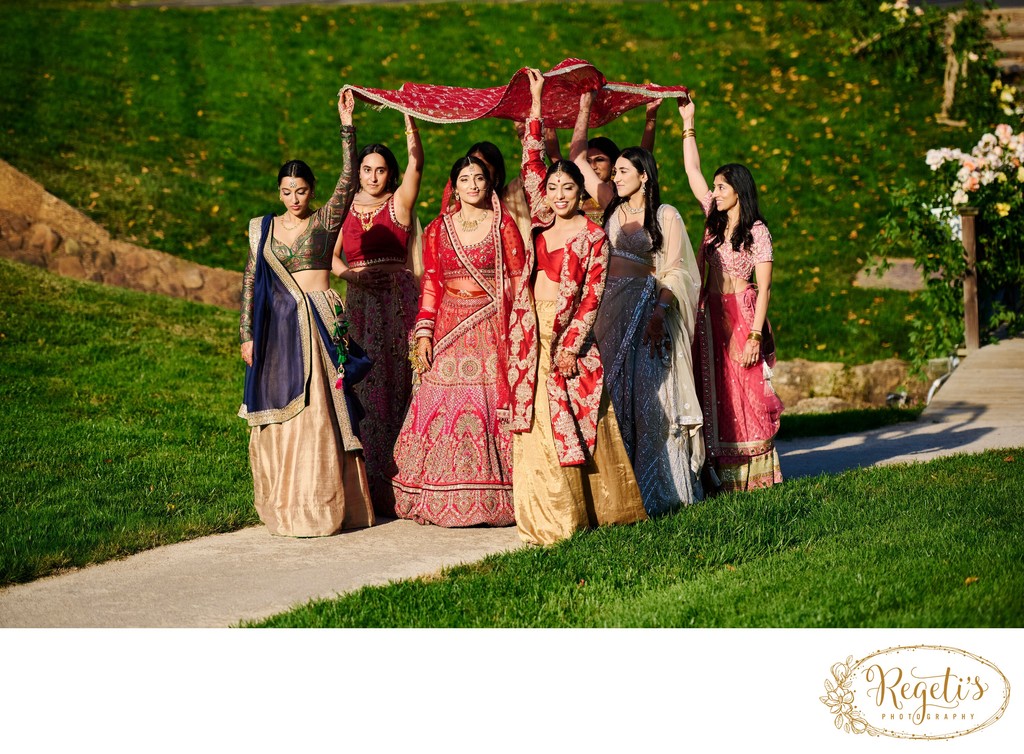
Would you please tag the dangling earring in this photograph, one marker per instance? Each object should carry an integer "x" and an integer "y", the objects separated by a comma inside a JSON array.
[{"x": 456, "y": 196}]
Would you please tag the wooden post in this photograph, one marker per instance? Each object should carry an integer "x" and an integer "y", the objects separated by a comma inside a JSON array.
[{"x": 970, "y": 241}]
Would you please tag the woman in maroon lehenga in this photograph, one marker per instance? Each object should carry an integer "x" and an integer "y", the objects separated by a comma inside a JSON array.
[
  {"x": 735, "y": 348},
  {"x": 381, "y": 299},
  {"x": 453, "y": 454}
]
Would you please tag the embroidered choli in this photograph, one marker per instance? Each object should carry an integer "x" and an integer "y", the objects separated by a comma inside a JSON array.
[
  {"x": 489, "y": 263},
  {"x": 636, "y": 246},
  {"x": 573, "y": 402},
  {"x": 550, "y": 262},
  {"x": 386, "y": 242},
  {"x": 480, "y": 256},
  {"x": 737, "y": 263},
  {"x": 313, "y": 249}
]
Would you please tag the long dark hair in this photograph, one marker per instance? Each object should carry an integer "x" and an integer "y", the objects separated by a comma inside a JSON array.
[
  {"x": 742, "y": 181},
  {"x": 570, "y": 169},
  {"x": 464, "y": 162},
  {"x": 389, "y": 161},
  {"x": 644, "y": 163},
  {"x": 605, "y": 145},
  {"x": 297, "y": 169},
  {"x": 493, "y": 157}
]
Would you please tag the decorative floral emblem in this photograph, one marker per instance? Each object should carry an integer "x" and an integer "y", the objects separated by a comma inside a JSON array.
[{"x": 839, "y": 700}]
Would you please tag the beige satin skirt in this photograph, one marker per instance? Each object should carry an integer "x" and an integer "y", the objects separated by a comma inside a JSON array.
[
  {"x": 305, "y": 484},
  {"x": 553, "y": 501}
]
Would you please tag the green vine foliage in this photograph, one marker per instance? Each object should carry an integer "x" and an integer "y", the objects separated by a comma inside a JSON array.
[{"x": 909, "y": 41}]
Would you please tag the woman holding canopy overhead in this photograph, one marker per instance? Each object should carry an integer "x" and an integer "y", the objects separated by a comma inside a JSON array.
[
  {"x": 570, "y": 468},
  {"x": 645, "y": 330},
  {"x": 734, "y": 341},
  {"x": 381, "y": 297}
]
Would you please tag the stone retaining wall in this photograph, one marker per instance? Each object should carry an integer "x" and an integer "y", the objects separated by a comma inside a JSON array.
[{"x": 37, "y": 228}]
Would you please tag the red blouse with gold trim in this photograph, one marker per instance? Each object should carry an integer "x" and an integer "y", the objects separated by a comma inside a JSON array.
[{"x": 573, "y": 401}]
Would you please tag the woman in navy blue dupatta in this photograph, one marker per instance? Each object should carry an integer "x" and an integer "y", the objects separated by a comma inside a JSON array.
[{"x": 309, "y": 477}]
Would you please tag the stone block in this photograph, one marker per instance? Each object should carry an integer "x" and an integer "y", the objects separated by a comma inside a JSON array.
[
  {"x": 192, "y": 279},
  {"x": 70, "y": 267},
  {"x": 29, "y": 256},
  {"x": 43, "y": 238}
]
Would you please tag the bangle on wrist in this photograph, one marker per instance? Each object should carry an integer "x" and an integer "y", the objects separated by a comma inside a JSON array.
[
  {"x": 754, "y": 335},
  {"x": 688, "y": 132},
  {"x": 347, "y": 129}
]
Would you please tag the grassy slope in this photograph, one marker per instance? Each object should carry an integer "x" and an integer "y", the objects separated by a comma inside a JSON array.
[
  {"x": 168, "y": 125},
  {"x": 929, "y": 545},
  {"x": 120, "y": 432}
]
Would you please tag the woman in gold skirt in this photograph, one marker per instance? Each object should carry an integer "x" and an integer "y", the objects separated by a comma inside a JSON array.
[{"x": 570, "y": 468}]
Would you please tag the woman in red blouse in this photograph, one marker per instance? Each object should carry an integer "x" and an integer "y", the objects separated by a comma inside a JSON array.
[
  {"x": 381, "y": 298},
  {"x": 453, "y": 454},
  {"x": 570, "y": 467},
  {"x": 735, "y": 350}
]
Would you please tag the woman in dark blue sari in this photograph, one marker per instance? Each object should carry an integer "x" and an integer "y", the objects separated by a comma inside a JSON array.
[{"x": 309, "y": 477}]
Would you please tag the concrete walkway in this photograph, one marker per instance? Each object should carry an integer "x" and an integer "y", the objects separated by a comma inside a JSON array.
[{"x": 223, "y": 579}]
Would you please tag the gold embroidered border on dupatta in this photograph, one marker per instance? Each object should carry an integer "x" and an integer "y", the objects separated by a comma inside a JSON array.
[{"x": 278, "y": 415}]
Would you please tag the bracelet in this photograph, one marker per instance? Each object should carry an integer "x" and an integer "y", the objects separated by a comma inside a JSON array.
[
  {"x": 411, "y": 131},
  {"x": 664, "y": 305},
  {"x": 688, "y": 132},
  {"x": 754, "y": 335},
  {"x": 345, "y": 130}
]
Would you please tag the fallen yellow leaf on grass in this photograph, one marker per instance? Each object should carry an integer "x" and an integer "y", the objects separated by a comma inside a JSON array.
[
  {"x": 1008, "y": 459},
  {"x": 970, "y": 580}
]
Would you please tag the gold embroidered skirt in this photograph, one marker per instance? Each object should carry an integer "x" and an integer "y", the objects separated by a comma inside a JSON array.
[{"x": 553, "y": 501}]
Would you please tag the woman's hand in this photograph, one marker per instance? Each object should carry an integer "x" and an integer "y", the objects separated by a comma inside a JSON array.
[
  {"x": 536, "y": 90},
  {"x": 424, "y": 354},
  {"x": 654, "y": 334},
  {"x": 346, "y": 105},
  {"x": 587, "y": 100},
  {"x": 751, "y": 353},
  {"x": 565, "y": 361},
  {"x": 247, "y": 353},
  {"x": 687, "y": 110},
  {"x": 652, "y": 109}
]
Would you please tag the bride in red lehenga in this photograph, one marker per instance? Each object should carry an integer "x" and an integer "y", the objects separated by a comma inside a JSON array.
[{"x": 454, "y": 451}]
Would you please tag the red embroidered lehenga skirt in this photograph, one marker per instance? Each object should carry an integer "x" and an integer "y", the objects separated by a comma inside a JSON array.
[
  {"x": 453, "y": 456},
  {"x": 741, "y": 409},
  {"x": 381, "y": 320}
]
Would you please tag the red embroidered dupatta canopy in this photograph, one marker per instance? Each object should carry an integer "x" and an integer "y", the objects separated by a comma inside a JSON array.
[{"x": 563, "y": 86}]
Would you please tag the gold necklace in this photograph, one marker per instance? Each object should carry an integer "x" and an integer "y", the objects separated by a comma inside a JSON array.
[
  {"x": 367, "y": 216},
  {"x": 468, "y": 226},
  {"x": 630, "y": 211},
  {"x": 292, "y": 227}
]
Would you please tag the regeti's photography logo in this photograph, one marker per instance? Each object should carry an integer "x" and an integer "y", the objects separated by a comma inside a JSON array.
[{"x": 922, "y": 692}]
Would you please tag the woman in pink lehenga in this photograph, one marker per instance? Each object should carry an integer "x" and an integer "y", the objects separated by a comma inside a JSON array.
[
  {"x": 454, "y": 453},
  {"x": 735, "y": 348}
]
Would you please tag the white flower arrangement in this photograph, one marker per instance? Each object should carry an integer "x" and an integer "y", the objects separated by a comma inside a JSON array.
[{"x": 995, "y": 158}]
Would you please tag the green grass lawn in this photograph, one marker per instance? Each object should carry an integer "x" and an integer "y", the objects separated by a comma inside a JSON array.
[
  {"x": 168, "y": 125},
  {"x": 927, "y": 545},
  {"x": 119, "y": 425}
]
